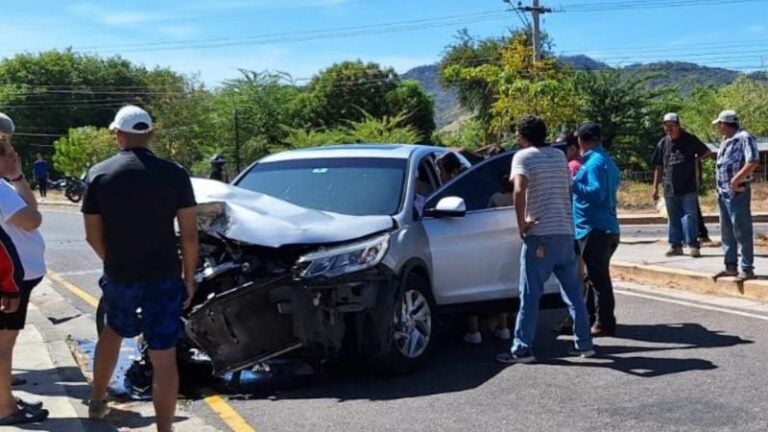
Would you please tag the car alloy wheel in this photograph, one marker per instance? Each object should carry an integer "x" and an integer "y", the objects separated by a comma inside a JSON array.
[{"x": 413, "y": 324}]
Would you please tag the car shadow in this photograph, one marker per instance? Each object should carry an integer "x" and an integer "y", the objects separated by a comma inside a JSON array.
[
  {"x": 458, "y": 367},
  {"x": 671, "y": 337}
]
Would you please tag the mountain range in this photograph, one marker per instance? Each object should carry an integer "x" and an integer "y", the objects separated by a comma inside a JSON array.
[{"x": 685, "y": 76}]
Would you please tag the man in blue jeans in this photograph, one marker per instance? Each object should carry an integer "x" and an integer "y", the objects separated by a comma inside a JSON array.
[
  {"x": 737, "y": 159},
  {"x": 542, "y": 202},
  {"x": 676, "y": 158}
]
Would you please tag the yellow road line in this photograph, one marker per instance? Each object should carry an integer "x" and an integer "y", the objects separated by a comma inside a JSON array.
[
  {"x": 91, "y": 300},
  {"x": 226, "y": 413}
]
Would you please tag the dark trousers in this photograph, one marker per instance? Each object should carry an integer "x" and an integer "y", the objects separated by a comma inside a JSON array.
[
  {"x": 42, "y": 184},
  {"x": 703, "y": 231},
  {"x": 597, "y": 249}
]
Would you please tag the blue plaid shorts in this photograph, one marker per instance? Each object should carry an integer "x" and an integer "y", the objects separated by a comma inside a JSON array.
[{"x": 151, "y": 308}]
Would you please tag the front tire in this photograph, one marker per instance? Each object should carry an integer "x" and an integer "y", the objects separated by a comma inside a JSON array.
[{"x": 414, "y": 328}]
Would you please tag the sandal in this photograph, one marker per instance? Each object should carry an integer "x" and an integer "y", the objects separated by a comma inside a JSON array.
[
  {"x": 35, "y": 405},
  {"x": 24, "y": 415}
]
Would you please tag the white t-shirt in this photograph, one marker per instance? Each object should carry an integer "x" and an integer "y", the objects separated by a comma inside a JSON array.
[
  {"x": 548, "y": 196},
  {"x": 29, "y": 244}
]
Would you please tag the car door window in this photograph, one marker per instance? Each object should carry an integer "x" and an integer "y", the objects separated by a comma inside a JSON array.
[{"x": 482, "y": 187}]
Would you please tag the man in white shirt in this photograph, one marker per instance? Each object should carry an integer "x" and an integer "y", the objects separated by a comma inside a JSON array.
[{"x": 22, "y": 267}]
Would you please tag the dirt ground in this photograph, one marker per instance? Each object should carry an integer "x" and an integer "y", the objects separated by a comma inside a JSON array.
[{"x": 636, "y": 198}]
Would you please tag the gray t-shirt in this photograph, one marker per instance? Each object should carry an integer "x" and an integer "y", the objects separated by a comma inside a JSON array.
[{"x": 548, "y": 195}]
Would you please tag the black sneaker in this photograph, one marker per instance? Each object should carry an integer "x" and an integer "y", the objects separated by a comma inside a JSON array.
[
  {"x": 725, "y": 273},
  {"x": 674, "y": 251},
  {"x": 746, "y": 275},
  {"x": 512, "y": 358}
]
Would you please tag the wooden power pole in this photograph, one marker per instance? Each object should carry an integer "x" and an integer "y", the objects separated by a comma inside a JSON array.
[{"x": 536, "y": 10}]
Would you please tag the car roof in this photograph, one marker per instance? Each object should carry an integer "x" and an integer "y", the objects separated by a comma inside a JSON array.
[{"x": 388, "y": 151}]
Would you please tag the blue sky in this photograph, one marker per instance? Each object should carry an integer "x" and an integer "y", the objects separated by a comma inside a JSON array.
[{"x": 215, "y": 38}]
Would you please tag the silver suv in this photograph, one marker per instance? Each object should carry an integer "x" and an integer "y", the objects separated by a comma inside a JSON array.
[{"x": 351, "y": 250}]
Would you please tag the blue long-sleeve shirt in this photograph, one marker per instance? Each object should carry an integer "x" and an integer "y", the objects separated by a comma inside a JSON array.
[{"x": 594, "y": 194}]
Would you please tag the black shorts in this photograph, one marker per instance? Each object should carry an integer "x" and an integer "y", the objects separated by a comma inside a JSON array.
[
  {"x": 16, "y": 320},
  {"x": 577, "y": 247}
]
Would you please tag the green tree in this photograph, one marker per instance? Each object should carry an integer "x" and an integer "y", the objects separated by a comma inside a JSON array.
[
  {"x": 628, "y": 110},
  {"x": 469, "y": 136},
  {"x": 346, "y": 91},
  {"x": 48, "y": 93},
  {"x": 353, "y": 91},
  {"x": 510, "y": 83},
  {"x": 184, "y": 128},
  {"x": 697, "y": 113},
  {"x": 387, "y": 129},
  {"x": 264, "y": 104},
  {"x": 475, "y": 92},
  {"x": 81, "y": 148},
  {"x": 417, "y": 107},
  {"x": 51, "y": 92},
  {"x": 749, "y": 98}
]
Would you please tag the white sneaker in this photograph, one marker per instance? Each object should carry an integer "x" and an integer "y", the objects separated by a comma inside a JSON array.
[
  {"x": 473, "y": 338},
  {"x": 584, "y": 354},
  {"x": 503, "y": 334}
]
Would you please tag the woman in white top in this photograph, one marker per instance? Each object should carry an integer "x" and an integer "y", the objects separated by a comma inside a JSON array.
[{"x": 22, "y": 267}]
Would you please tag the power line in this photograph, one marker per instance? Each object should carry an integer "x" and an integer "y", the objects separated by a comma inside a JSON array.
[
  {"x": 649, "y": 4},
  {"x": 309, "y": 35}
]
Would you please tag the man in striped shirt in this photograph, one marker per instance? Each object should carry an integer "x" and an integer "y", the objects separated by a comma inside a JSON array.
[{"x": 543, "y": 205}]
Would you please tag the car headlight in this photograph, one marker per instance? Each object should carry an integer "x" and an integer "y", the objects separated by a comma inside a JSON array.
[{"x": 344, "y": 259}]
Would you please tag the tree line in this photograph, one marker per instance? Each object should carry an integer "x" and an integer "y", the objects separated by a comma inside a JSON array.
[
  {"x": 62, "y": 102},
  {"x": 497, "y": 81}
]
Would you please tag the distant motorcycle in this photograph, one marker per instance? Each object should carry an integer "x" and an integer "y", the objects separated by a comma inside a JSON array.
[{"x": 74, "y": 189}]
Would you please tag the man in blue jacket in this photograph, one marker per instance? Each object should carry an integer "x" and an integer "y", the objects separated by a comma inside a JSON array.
[{"x": 596, "y": 225}]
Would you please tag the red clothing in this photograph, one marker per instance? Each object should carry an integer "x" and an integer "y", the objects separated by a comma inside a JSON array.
[
  {"x": 11, "y": 271},
  {"x": 574, "y": 166}
]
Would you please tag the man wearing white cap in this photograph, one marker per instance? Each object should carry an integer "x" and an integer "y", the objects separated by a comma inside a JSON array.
[
  {"x": 130, "y": 205},
  {"x": 737, "y": 159},
  {"x": 676, "y": 159}
]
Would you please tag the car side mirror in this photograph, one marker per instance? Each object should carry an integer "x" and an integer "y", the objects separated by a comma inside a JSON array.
[{"x": 448, "y": 207}]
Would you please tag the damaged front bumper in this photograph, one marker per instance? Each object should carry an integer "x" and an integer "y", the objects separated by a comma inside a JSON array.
[{"x": 255, "y": 322}]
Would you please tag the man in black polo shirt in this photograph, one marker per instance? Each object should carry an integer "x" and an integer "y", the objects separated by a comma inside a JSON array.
[
  {"x": 130, "y": 205},
  {"x": 675, "y": 158}
]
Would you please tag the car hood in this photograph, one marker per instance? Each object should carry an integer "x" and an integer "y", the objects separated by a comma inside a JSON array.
[{"x": 259, "y": 219}]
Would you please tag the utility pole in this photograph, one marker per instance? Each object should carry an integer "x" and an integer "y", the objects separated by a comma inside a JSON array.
[
  {"x": 536, "y": 10},
  {"x": 237, "y": 142}
]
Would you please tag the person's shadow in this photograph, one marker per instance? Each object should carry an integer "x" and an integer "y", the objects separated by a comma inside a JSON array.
[{"x": 671, "y": 337}]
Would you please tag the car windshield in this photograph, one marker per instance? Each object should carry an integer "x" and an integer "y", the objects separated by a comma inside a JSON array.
[{"x": 352, "y": 186}]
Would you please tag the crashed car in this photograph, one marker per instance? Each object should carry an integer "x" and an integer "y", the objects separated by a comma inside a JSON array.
[{"x": 349, "y": 250}]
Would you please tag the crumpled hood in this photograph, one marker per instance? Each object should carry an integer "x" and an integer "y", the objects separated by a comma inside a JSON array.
[{"x": 259, "y": 219}]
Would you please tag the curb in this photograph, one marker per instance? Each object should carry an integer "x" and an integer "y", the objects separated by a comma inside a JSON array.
[
  {"x": 58, "y": 205},
  {"x": 687, "y": 280}
]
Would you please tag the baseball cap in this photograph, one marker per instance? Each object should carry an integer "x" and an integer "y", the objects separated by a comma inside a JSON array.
[
  {"x": 590, "y": 131},
  {"x": 132, "y": 119},
  {"x": 727, "y": 116},
  {"x": 6, "y": 125},
  {"x": 671, "y": 117}
]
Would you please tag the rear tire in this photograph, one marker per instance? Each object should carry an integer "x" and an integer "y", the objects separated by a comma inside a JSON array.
[{"x": 413, "y": 328}]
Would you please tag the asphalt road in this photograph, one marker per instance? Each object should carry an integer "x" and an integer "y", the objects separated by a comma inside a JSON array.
[{"x": 679, "y": 363}]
